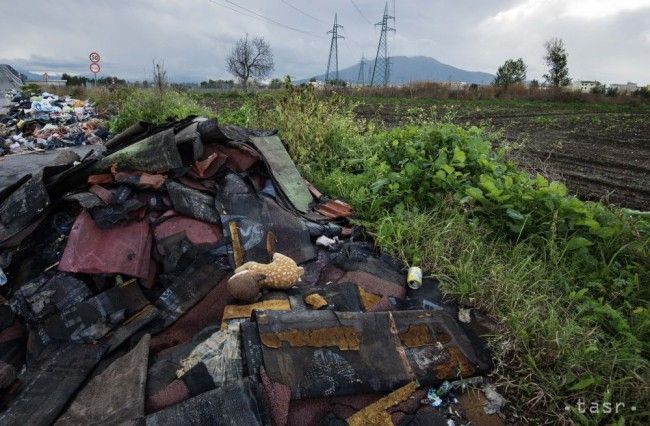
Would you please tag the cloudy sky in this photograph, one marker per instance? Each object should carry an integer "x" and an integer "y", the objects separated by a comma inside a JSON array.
[{"x": 607, "y": 40}]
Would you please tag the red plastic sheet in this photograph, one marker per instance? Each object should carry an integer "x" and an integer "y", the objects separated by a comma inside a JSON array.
[
  {"x": 196, "y": 231},
  {"x": 123, "y": 249}
]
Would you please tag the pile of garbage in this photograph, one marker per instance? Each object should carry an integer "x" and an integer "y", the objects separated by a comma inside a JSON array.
[
  {"x": 47, "y": 121},
  {"x": 189, "y": 275}
]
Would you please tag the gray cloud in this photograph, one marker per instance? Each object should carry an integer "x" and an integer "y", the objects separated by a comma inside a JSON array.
[{"x": 607, "y": 40}]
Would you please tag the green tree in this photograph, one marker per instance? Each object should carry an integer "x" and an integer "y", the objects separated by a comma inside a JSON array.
[
  {"x": 599, "y": 89},
  {"x": 556, "y": 60},
  {"x": 511, "y": 72},
  {"x": 276, "y": 83},
  {"x": 74, "y": 80}
]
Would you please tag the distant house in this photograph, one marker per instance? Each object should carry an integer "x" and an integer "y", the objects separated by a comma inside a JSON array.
[
  {"x": 49, "y": 83},
  {"x": 584, "y": 86},
  {"x": 624, "y": 88}
]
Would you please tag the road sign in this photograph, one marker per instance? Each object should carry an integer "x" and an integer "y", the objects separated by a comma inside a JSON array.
[
  {"x": 94, "y": 68},
  {"x": 94, "y": 57}
]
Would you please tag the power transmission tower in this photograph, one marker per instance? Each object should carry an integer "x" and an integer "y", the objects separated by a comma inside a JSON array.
[
  {"x": 333, "y": 61},
  {"x": 361, "y": 78},
  {"x": 381, "y": 69}
]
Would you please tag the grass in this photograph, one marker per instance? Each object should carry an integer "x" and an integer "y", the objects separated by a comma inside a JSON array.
[{"x": 567, "y": 280}]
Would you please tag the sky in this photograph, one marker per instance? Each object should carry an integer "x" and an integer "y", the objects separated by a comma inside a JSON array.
[{"x": 607, "y": 40}]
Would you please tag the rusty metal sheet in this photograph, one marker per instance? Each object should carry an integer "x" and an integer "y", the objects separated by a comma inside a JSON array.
[
  {"x": 123, "y": 249},
  {"x": 374, "y": 284},
  {"x": 114, "y": 396},
  {"x": 198, "y": 232},
  {"x": 324, "y": 353},
  {"x": 335, "y": 209}
]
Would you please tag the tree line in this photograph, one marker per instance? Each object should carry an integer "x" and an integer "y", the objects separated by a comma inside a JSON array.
[{"x": 513, "y": 71}]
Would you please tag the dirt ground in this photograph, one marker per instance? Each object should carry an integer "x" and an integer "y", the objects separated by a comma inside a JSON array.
[{"x": 600, "y": 153}]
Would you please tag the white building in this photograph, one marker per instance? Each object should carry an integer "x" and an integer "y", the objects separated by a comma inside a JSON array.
[
  {"x": 624, "y": 88},
  {"x": 584, "y": 86}
]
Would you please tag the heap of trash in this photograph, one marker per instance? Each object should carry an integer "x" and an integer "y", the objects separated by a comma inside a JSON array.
[
  {"x": 47, "y": 121},
  {"x": 188, "y": 274}
]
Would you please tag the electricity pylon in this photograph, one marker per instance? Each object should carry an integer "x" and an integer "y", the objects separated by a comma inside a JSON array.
[
  {"x": 334, "y": 51},
  {"x": 381, "y": 69},
  {"x": 361, "y": 78}
]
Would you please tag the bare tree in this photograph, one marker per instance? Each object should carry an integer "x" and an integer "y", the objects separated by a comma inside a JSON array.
[
  {"x": 159, "y": 76},
  {"x": 250, "y": 59}
]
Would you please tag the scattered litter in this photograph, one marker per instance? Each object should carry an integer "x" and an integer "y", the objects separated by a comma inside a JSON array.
[
  {"x": 465, "y": 315},
  {"x": 414, "y": 277},
  {"x": 495, "y": 401},
  {"x": 325, "y": 241},
  {"x": 186, "y": 272},
  {"x": 48, "y": 121},
  {"x": 434, "y": 398}
]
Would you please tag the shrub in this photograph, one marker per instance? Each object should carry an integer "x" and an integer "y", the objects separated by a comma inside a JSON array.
[{"x": 152, "y": 106}]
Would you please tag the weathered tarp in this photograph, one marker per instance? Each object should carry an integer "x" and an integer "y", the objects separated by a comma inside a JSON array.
[
  {"x": 322, "y": 353},
  {"x": 284, "y": 171},
  {"x": 244, "y": 220},
  {"x": 50, "y": 382},
  {"x": 239, "y": 403},
  {"x": 157, "y": 153},
  {"x": 21, "y": 207},
  {"x": 191, "y": 202},
  {"x": 114, "y": 396},
  {"x": 93, "y": 318}
]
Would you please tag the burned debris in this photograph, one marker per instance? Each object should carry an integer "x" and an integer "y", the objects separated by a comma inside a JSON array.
[{"x": 189, "y": 275}]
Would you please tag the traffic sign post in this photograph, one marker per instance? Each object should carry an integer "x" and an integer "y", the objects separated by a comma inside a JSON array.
[
  {"x": 94, "y": 64},
  {"x": 95, "y": 68}
]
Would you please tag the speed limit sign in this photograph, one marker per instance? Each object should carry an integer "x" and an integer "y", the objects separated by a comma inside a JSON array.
[
  {"x": 94, "y": 57},
  {"x": 94, "y": 68}
]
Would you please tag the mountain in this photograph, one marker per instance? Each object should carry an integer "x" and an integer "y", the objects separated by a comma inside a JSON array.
[{"x": 419, "y": 68}]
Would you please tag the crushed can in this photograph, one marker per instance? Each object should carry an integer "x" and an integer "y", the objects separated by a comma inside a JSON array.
[{"x": 414, "y": 277}]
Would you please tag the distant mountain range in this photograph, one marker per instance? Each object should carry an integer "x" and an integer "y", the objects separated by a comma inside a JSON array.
[{"x": 405, "y": 69}]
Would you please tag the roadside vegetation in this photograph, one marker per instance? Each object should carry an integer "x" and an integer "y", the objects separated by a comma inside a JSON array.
[{"x": 566, "y": 279}]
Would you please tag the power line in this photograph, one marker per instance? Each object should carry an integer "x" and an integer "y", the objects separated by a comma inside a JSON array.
[
  {"x": 333, "y": 59},
  {"x": 360, "y": 12},
  {"x": 252, "y": 14},
  {"x": 273, "y": 21},
  {"x": 382, "y": 60},
  {"x": 302, "y": 11}
]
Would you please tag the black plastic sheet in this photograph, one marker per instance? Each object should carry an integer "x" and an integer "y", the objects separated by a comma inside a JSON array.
[{"x": 237, "y": 403}]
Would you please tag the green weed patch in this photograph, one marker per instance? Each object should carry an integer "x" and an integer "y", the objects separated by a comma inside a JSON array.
[{"x": 568, "y": 280}]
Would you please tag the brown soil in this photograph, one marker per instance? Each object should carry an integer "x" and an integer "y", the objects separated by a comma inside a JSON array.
[{"x": 600, "y": 155}]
